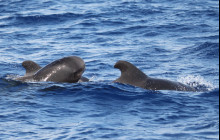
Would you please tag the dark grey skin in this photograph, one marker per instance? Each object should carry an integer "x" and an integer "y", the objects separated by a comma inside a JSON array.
[
  {"x": 31, "y": 67},
  {"x": 83, "y": 79},
  {"x": 65, "y": 70},
  {"x": 131, "y": 75}
]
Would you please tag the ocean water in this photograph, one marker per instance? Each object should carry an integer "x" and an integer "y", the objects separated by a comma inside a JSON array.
[{"x": 171, "y": 39}]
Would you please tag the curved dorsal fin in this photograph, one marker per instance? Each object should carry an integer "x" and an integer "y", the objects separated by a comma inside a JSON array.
[
  {"x": 30, "y": 67},
  {"x": 130, "y": 74}
]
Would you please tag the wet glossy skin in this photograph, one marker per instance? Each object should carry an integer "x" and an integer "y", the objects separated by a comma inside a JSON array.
[
  {"x": 68, "y": 69},
  {"x": 133, "y": 76}
]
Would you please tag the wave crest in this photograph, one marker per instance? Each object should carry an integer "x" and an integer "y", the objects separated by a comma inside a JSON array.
[
  {"x": 45, "y": 19},
  {"x": 206, "y": 50}
]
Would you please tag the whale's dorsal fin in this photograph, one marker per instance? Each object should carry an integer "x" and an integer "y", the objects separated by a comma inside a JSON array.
[
  {"x": 30, "y": 67},
  {"x": 130, "y": 74}
]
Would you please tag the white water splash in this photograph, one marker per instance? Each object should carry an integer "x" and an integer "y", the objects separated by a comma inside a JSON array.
[
  {"x": 197, "y": 82},
  {"x": 11, "y": 77},
  {"x": 92, "y": 79}
]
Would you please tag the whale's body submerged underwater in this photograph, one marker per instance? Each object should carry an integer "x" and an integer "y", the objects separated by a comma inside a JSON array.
[
  {"x": 67, "y": 69},
  {"x": 131, "y": 75},
  {"x": 70, "y": 70}
]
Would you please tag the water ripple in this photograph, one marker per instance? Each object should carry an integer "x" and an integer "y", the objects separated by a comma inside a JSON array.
[{"x": 173, "y": 40}]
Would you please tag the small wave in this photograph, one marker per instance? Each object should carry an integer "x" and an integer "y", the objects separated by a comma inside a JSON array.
[
  {"x": 110, "y": 33},
  {"x": 104, "y": 90},
  {"x": 208, "y": 12},
  {"x": 9, "y": 85},
  {"x": 206, "y": 50},
  {"x": 45, "y": 19},
  {"x": 214, "y": 93},
  {"x": 209, "y": 49}
]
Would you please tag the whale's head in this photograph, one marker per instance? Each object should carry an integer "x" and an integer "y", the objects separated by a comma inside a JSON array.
[
  {"x": 67, "y": 69},
  {"x": 76, "y": 67}
]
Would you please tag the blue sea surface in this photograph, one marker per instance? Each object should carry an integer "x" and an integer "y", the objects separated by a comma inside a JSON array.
[{"x": 170, "y": 39}]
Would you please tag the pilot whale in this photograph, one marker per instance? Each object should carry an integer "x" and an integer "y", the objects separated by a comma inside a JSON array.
[
  {"x": 67, "y": 70},
  {"x": 131, "y": 75}
]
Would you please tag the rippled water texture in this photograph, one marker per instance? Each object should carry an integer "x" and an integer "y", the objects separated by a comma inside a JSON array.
[{"x": 175, "y": 40}]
